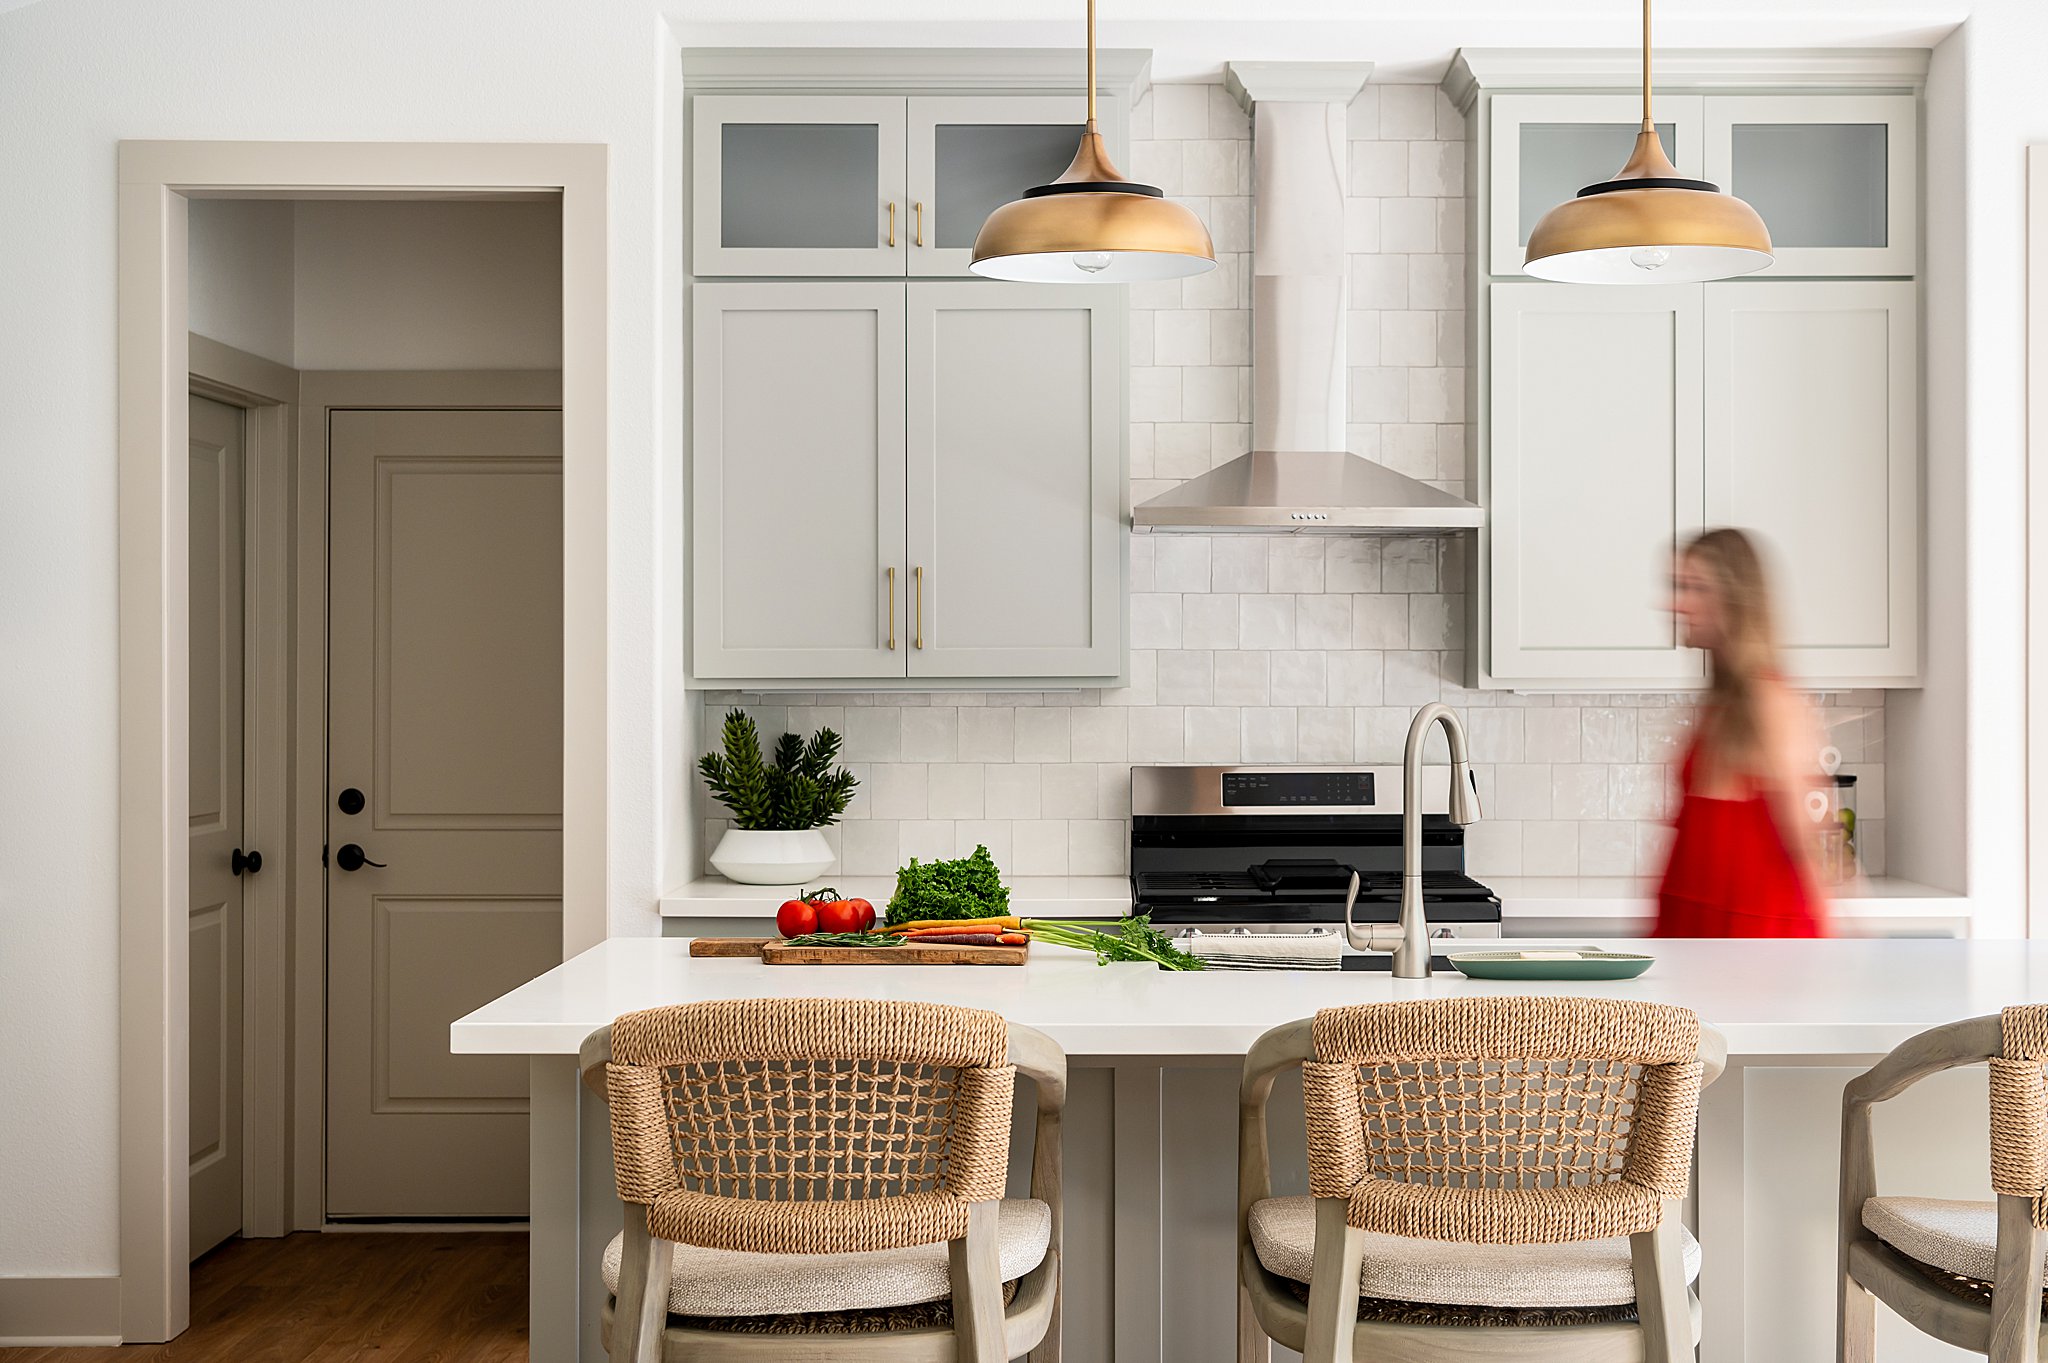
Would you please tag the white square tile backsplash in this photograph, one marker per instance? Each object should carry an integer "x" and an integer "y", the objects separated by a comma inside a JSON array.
[{"x": 1289, "y": 649}]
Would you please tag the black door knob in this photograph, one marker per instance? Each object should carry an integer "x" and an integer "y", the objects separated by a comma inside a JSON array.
[
  {"x": 241, "y": 861},
  {"x": 350, "y": 857},
  {"x": 350, "y": 801}
]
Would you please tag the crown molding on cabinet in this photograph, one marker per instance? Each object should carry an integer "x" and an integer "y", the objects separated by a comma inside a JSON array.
[
  {"x": 1866, "y": 69},
  {"x": 1304, "y": 82},
  {"x": 1121, "y": 72}
]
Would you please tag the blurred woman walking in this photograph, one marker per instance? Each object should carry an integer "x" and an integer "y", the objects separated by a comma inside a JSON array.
[{"x": 1742, "y": 861}]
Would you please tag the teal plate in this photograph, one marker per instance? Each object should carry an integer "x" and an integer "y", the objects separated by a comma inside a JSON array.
[{"x": 1514, "y": 965}]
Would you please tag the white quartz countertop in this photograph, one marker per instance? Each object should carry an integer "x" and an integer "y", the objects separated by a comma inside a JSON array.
[
  {"x": 1585, "y": 899},
  {"x": 1840, "y": 997}
]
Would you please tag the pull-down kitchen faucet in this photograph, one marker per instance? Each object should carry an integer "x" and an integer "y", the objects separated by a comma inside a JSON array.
[{"x": 1409, "y": 939}]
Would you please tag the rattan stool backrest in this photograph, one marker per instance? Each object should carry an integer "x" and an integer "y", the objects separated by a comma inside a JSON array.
[
  {"x": 1503, "y": 1120},
  {"x": 809, "y": 1126}
]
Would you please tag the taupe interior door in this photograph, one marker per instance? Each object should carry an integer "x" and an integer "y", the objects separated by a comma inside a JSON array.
[
  {"x": 444, "y": 796},
  {"x": 216, "y": 822}
]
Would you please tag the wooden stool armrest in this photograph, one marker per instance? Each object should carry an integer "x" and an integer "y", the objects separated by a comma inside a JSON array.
[
  {"x": 1713, "y": 1054},
  {"x": 593, "y": 1056},
  {"x": 1286, "y": 1047}
]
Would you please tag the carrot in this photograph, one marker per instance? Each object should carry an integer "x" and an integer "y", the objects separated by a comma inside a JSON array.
[
  {"x": 1015, "y": 939},
  {"x": 958, "y": 925},
  {"x": 956, "y": 939}
]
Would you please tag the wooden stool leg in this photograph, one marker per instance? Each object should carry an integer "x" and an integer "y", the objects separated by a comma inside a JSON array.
[
  {"x": 978, "y": 1289},
  {"x": 1661, "y": 1305},
  {"x": 1855, "y": 1323},
  {"x": 2016, "y": 1295},
  {"x": 1252, "y": 1344},
  {"x": 1333, "y": 1284}
]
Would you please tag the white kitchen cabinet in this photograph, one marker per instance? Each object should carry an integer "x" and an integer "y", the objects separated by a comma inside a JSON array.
[
  {"x": 799, "y": 185},
  {"x": 907, "y": 481},
  {"x": 1548, "y": 147},
  {"x": 797, "y": 480},
  {"x": 1015, "y": 480},
  {"x": 1835, "y": 177},
  {"x": 1812, "y": 439},
  {"x": 864, "y": 185},
  {"x": 1595, "y": 473},
  {"x": 971, "y": 154}
]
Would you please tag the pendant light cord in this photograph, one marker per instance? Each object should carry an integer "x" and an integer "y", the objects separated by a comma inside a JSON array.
[
  {"x": 1091, "y": 64},
  {"x": 1648, "y": 125}
]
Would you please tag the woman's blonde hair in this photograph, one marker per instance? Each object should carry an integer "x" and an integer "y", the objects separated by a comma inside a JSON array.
[{"x": 1748, "y": 648}]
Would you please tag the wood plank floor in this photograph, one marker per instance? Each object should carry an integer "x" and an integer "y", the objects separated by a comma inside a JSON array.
[{"x": 344, "y": 1298}]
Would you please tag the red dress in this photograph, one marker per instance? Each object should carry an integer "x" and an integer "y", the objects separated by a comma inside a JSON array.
[{"x": 1730, "y": 874}]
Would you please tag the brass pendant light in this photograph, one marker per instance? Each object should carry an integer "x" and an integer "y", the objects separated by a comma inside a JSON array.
[
  {"x": 1091, "y": 225},
  {"x": 1649, "y": 224}
]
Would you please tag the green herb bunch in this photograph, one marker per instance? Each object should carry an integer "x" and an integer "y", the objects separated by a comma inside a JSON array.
[
  {"x": 801, "y": 789},
  {"x": 969, "y": 887}
]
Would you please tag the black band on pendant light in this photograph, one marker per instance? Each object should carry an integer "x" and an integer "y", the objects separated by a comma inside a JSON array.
[
  {"x": 1648, "y": 182},
  {"x": 1093, "y": 187}
]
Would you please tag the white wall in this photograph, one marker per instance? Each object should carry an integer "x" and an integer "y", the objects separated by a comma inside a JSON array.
[
  {"x": 75, "y": 76},
  {"x": 240, "y": 255}
]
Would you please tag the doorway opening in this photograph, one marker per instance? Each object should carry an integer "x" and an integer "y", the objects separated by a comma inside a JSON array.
[{"x": 382, "y": 563}]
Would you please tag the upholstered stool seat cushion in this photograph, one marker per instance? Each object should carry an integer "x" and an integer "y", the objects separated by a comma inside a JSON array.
[
  {"x": 722, "y": 1282},
  {"x": 1582, "y": 1273},
  {"x": 1957, "y": 1237}
]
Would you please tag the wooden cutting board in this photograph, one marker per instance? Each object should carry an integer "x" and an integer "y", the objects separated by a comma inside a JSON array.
[{"x": 774, "y": 951}]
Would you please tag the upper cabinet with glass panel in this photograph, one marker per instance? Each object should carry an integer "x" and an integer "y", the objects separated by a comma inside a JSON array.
[
  {"x": 1546, "y": 148},
  {"x": 864, "y": 185},
  {"x": 1834, "y": 176}
]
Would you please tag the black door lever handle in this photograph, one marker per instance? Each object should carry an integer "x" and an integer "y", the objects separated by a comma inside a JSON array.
[{"x": 350, "y": 857}]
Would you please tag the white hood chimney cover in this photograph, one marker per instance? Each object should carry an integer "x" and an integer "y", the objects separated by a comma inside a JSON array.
[{"x": 1299, "y": 476}]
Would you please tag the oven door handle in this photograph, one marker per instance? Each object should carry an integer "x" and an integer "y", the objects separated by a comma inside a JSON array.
[{"x": 1271, "y": 874}]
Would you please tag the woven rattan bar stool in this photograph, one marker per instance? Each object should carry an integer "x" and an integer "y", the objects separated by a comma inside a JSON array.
[
  {"x": 1490, "y": 1178},
  {"x": 823, "y": 1179},
  {"x": 1967, "y": 1273}
]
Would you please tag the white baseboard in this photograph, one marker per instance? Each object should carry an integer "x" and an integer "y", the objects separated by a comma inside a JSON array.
[{"x": 42, "y": 1312}]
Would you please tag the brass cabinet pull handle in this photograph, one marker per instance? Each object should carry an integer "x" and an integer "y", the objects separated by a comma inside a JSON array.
[
  {"x": 892, "y": 222},
  {"x": 919, "y": 206},
  {"x": 917, "y": 578},
  {"x": 892, "y": 609}
]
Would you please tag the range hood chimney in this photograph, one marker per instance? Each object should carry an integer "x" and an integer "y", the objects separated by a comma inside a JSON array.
[{"x": 1299, "y": 477}]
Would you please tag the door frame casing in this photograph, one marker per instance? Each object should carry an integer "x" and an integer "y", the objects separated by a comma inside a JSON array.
[
  {"x": 156, "y": 179},
  {"x": 267, "y": 394},
  {"x": 321, "y": 392}
]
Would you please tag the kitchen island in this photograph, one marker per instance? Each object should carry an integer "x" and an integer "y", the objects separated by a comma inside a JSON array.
[{"x": 1151, "y": 1133}]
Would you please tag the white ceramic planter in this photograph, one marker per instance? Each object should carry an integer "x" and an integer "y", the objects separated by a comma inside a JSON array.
[{"x": 771, "y": 856}]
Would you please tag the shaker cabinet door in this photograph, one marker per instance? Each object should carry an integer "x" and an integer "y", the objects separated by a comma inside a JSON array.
[
  {"x": 1016, "y": 541},
  {"x": 1835, "y": 177},
  {"x": 1546, "y": 148},
  {"x": 1594, "y": 474},
  {"x": 797, "y": 480},
  {"x": 1812, "y": 445},
  {"x": 798, "y": 185},
  {"x": 970, "y": 155}
]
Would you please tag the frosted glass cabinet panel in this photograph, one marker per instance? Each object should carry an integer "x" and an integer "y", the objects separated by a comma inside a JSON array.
[
  {"x": 971, "y": 155},
  {"x": 1546, "y": 148},
  {"x": 1812, "y": 444},
  {"x": 1834, "y": 177},
  {"x": 799, "y": 185},
  {"x": 1594, "y": 473}
]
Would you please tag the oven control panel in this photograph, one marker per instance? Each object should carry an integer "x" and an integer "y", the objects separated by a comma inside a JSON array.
[{"x": 1278, "y": 790}]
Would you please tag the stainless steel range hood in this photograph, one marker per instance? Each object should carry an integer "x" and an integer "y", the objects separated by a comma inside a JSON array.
[{"x": 1299, "y": 477}]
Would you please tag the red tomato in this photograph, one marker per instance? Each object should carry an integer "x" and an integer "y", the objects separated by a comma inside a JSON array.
[
  {"x": 866, "y": 912},
  {"x": 838, "y": 915},
  {"x": 796, "y": 917}
]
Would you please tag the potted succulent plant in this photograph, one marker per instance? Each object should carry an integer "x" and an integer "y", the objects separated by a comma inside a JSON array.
[{"x": 777, "y": 807}]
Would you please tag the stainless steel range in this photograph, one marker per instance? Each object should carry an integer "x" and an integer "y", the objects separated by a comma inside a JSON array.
[{"x": 1272, "y": 849}]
